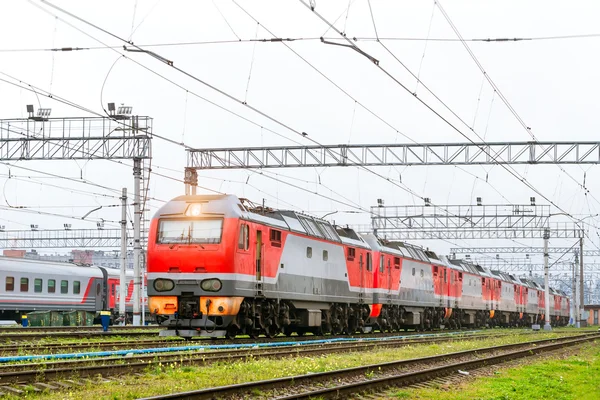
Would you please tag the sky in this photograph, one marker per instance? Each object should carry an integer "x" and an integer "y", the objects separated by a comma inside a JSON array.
[{"x": 333, "y": 93}]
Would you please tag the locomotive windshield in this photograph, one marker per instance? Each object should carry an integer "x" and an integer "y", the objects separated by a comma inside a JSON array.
[{"x": 177, "y": 231}]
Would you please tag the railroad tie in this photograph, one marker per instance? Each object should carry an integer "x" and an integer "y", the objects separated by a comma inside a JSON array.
[
  {"x": 60, "y": 384},
  {"x": 30, "y": 388},
  {"x": 12, "y": 390},
  {"x": 43, "y": 386}
]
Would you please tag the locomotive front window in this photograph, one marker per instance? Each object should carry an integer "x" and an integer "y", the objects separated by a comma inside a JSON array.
[{"x": 190, "y": 231}]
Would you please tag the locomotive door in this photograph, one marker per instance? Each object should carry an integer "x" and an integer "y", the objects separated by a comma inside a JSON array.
[
  {"x": 259, "y": 256},
  {"x": 361, "y": 271},
  {"x": 389, "y": 278}
]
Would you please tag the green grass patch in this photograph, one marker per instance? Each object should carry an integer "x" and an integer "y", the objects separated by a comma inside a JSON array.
[
  {"x": 574, "y": 377},
  {"x": 173, "y": 377}
]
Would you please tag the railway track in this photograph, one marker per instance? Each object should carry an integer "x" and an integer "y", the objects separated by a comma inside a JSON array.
[
  {"x": 33, "y": 348},
  {"x": 94, "y": 333},
  {"x": 22, "y": 337},
  {"x": 95, "y": 328},
  {"x": 57, "y": 374},
  {"x": 349, "y": 382}
]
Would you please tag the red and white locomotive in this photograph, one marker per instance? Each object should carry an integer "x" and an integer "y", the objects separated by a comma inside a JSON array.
[{"x": 217, "y": 267}]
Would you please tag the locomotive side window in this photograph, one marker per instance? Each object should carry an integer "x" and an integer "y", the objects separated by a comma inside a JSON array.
[
  {"x": 64, "y": 287},
  {"x": 76, "y": 287},
  {"x": 244, "y": 238},
  {"x": 10, "y": 283},
  {"x": 369, "y": 262},
  {"x": 37, "y": 285},
  {"x": 24, "y": 284},
  {"x": 275, "y": 238},
  {"x": 351, "y": 253},
  {"x": 51, "y": 286},
  {"x": 309, "y": 252},
  {"x": 397, "y": 262},
  {"x": 325, "y": 255},
  {"x": 381, "y": 263}
]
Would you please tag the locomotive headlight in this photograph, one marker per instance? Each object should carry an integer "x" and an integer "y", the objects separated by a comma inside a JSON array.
[
  {"x": 163, "y": 285},
  {"x": 211, "y": 285},
  {"x": 194, "y": 210}
]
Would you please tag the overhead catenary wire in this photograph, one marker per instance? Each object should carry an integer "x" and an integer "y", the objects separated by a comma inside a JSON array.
[
  {"x": 445, "y": 120},
  {"x": 169, "y": 63},
  {"x": 504, "y": 40},
  {"x": 212, "y": 87}
]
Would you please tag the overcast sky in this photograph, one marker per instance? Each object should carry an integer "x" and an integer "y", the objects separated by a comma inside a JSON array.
[{"x": 551, "y": 83}]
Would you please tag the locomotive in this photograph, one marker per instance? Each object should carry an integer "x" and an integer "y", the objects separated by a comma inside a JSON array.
[
  {"x": 35, "y": 285},
  {"x": 219, "y": 266}
]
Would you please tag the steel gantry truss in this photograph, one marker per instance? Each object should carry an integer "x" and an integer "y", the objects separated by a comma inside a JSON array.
[
  {"x": 396, "y": 154},
  {"x": 61, "y": 239},
  {"x": 94, "y": 138},
  {"x": 120, "y": 135},
  {"x": 468, "y": 222},
  {"x": 444, "y": 225},
  {"x": 518, "y": 250}
]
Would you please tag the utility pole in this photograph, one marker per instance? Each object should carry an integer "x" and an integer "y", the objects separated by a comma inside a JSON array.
[
  {"x": 574, "y": 290},
  {"x": 137, "y": 174},
  {"x": 547, "y": 326},
  {"x": 122, "y": 280},
  {"x": 581, "y": 302},
  {"x": 575, "y": 296}
]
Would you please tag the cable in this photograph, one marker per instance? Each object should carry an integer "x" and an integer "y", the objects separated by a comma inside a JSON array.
[{"x": 480, "y": 145}]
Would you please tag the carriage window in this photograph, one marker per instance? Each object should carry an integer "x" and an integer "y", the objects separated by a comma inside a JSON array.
[
  {"x": 244, "y": 238},
  {"x": 51, "y": 286},
  {"x": 76, "y": 287},
  {"x": 10, "y": 283},
  {"x": 396, "y": 262},
  {"x": 64, "y": 287},
  {"x": 381, "y": 263},
  {"x": 325, "y": 255},
  {"x": 37, "y": 285},
  {"x": 413, "y": 272},
  {"x": 275, "y": 237},
  {"x": 422, "y": 273},
  {"x": 369, "y": 262},
  {"x": 24, "y": 284},
  {"x": 351, "y": 253},
  {"x": 309, "y": 252}
]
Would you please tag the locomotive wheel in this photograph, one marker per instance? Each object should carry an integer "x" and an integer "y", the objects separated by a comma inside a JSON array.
[
  {"x": 271, "y": 331},
  {"x": 288, "y": 331},
  {"x": 231, "y": 333}
]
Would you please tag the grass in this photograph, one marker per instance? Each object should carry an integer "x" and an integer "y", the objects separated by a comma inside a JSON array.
[
  {"x": 574, "y": 377},
  {"x": 173, "y": 377}
]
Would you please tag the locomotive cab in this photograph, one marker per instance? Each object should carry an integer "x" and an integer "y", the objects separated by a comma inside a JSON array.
[{"x": 190, "y": 263}]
